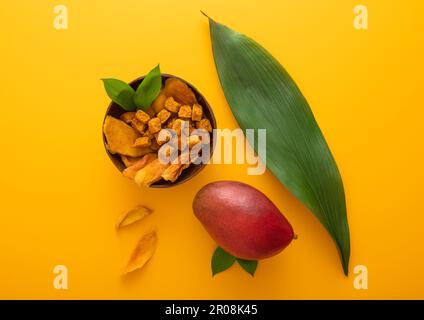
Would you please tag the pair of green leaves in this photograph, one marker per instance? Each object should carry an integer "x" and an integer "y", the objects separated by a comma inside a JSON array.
[
  {"x": 222, "y": 260},
  {"x": 121, "y": 92}
]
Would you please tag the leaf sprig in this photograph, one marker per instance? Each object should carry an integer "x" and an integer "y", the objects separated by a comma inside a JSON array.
[
  {"x": 124, "y": 95},
  {"x": 222, "y": 260}
]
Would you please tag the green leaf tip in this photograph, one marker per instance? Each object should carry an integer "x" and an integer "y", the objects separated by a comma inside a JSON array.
[
  {"x": 202, "y": 12},
  {"x": 221, "y": 261},
  {"x": 296, "y": 151},
  {"x": 149, "y": 89},
  {"x": 120, "y": 92},
  {"x": 248, "y": 265}
]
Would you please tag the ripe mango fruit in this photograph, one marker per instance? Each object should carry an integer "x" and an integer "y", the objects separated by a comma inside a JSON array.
[{"x": 242, "y": 220}]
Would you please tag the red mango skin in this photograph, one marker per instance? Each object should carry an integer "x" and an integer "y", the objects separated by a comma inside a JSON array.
[{"x": 242, "y": 220}]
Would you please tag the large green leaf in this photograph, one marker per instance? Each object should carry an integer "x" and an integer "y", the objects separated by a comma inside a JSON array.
[{"x": 262, "y": 94}]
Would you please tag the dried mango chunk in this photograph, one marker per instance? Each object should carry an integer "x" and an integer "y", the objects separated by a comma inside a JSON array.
[
  {"x": 185, "y": 112},
  {"x": 142, "y": 253},
  {"x": 154, "y": 125},
  {"x": 129, "y": 217},
  {"x": 142, "y": 142},
  {"x": 163, "y": 115},
  {"x": 127, "y": 117},
  {"x": 138, "y": 125},
  {"x": 180, "y": 126},
  {"x": 142, "y": 116},
  {"x": 193, "y": 140},
  {"x": 121, "y": 137},
  {"x": 197, "y": 112},
  {"x": 204, "y": 124},
  {"x": 179, "y": 90},
  {"x": 171, "y": 105}
]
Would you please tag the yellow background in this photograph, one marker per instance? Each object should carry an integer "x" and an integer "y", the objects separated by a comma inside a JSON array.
[{"x": 60, "y": 194}]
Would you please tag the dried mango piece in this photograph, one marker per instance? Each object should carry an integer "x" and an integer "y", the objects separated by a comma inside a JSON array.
[
  {"x": 204, "y": 124},
  {"x": 179, "y": 90},
  {"x": 171, "y": 105},
  {"x": 163, "y": 115},
  {"x": 142, "y": 116},
  {"x": 174, "y": 170},
  {"x": 121, "y": 137},
  {"x": 163, "y": 136},
  {"x": 151, "y": 173},
  {"x": 129, "y": 161},
  {"x": 142, "y": 253},
  {"x": 158, "y": 104},
  {"x": 131, "y": 171},
  {"x": 154, "y": 125},
  {"x": 148, "y": 134},
  {"x": 193, "y": 140},
  {"x": 170, "y": 122},
  {"x": 197, "y": 112},
  {"x": 142, "y": 142},
  {"x": 127, "y": 117},
  {"x": 180, "y": 126},
  {"x": 155, "y": 145},
  {"x": 185, "y": 112},
  {"x": 129, "y": 217},
  {"x": 138, "y": 125}
]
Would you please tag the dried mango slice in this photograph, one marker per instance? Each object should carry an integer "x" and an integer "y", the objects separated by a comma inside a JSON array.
[
  {"x": 121, "y": 137},
  {"x": 131, "y": 171},
  {"x": 129, "y": 161},
  {"x": 174, "y": 170},
  {"x": 129, "y": 217},
  {"x": 179, "y": 90},
  {"x": 142, "y": 253},
  {"x": 158, "y": 104},
  {"x": 151, "y": 173},
  {"x": 147, "y": 156}
]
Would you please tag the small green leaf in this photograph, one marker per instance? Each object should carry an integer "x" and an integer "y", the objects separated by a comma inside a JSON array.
[
  {"x": 221, "y": 261},
  {"x": 248, "y": 265},
  {"x": 149, "y": 89},
  {"x": 120, "y": 93}
]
